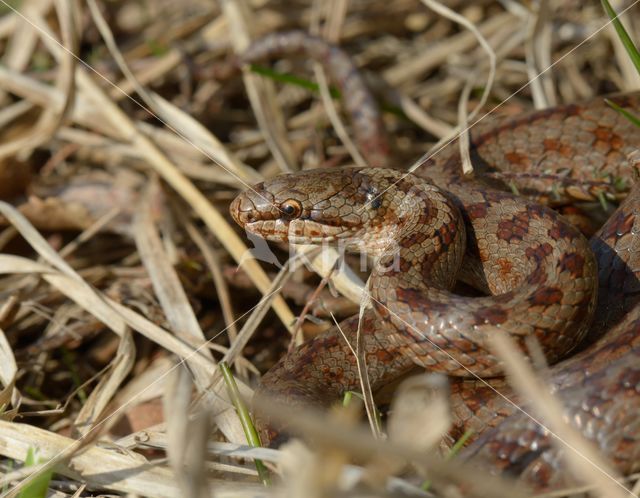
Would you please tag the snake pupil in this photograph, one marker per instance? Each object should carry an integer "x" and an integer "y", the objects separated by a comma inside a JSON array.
[{"x": 291, "y": 208}]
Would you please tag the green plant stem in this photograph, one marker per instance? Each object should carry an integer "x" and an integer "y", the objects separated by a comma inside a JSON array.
[
  {"x": 348, "y": 396},
  {"x": 245, "y": 419},
  {"x": 291, "y": 79},
  {"x": 629, "y": 115},
  {"x": 623, "y": 35},
  {"x": 455, "y": 449},
  {"x": 39, "y": 484}
]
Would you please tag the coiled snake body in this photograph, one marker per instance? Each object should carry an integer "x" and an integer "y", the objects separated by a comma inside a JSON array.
[{"x": 427, "y": 230}]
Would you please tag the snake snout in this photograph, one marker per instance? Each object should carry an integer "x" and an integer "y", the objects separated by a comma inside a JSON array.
[
  {"x": 253, "y": 205},
  {"x": 242, "y": 210}
]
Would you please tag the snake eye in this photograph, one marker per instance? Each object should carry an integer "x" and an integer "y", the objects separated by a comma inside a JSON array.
[{"x": 291, "y": 208}]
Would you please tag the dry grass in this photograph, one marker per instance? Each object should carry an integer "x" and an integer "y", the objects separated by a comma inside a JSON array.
[{"x": 123, "y": 141}]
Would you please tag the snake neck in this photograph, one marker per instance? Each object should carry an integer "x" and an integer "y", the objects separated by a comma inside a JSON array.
[{"x": 428, "y": 242}]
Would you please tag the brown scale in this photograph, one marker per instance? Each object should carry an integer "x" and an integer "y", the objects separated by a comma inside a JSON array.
[{"x": 539, "y": 269}]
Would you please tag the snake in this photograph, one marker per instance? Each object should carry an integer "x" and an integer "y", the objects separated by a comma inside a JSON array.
[{"x": 534, "y": 273}]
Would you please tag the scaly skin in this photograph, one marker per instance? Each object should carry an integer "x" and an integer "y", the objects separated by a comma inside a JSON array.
[{"x": 539, "y": 270}]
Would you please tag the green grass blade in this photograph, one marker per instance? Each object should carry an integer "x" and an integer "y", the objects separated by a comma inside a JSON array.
[
  {"x": 455, "y": 449},
  {"x": 346, "y": 401},
  {"x": 627, "y": 114},
  {"x": 290, "y": 79},
  {"x": 249, "y": 429},
  {"x": 39, "y": 484},
  {"x": 623, "y": 35}
]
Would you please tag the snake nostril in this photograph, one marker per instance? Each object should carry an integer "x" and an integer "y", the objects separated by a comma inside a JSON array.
[{"x": 250, "y": 216}]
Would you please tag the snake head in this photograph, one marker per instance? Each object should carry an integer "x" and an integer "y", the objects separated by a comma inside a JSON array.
[{"x": 312, "y": 207}]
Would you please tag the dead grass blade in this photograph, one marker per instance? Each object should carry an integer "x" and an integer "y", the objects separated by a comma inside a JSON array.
[
  {"x": 260, "y": 91},
  {"x": 178, "y": 59},
  {"x": 168, "y": 171},
  {"x": 114, "y": 315},
  {"x": 420, "y": 414},
  {"x": 412, "y": 67},
  {"x": 72, "y": 285},
  {"x": 103, "y": 393},
  {"x": 538, "y": 56},
  {"x": 178, "y": 121},
  {"x": 419, "y": 116},
  {"x": 463, "y": 117},
  {"x": 102, "y": 468},
  {"x": 51, "y": 118},
  {"x": 22, "y": 38},
  {"x": 419, "y": 417},
  {"x": 630, "y": 76},
  {"x": 583, "y": 461},
  {"x": 187, "y": 437},
  {"x": 222, "y": 289},
  {"x": 260, "y": 311},
  {"x": 332, "y": 113},
  {"x": 295, "y": 339},
  {"x": 361, "y": 362},
  {"x": 175, "y": 304},
  {"x": 9, "y": 396},
  {"x": 359, "y": 443},
  {"x": 343, "y": 279}
]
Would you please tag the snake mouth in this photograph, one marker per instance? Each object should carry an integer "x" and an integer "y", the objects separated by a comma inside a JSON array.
[
  {"x": 273, "y": 230},
  {"x": 298, "y": 232}
]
